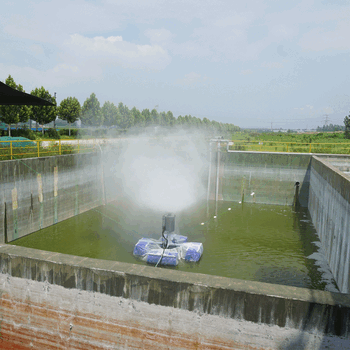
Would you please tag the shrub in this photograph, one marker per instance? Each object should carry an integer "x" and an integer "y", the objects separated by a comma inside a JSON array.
[
  {"x": 25, "y": 132},
  {"x": 53, "y": 134},
  {"x": 65, "y": 132}
]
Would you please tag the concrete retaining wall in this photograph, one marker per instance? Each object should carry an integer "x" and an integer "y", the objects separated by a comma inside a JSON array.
[
  {"x": 105, "y": 303},
  {"x": 39, "y": 192},
  {"x": 56, "y": 300},
  {"x": 329, "y": 207},
  {"x": 270, "y": 176}
]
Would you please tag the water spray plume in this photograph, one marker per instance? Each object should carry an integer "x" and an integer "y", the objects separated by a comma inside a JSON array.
[{"x": 163, "y": 173}]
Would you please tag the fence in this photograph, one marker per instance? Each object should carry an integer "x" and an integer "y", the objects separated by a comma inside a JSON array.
[
  {"x": 34, "y": 148},
  {"x": 300, "y": 147},
  {"x": 27, "y": 149}
]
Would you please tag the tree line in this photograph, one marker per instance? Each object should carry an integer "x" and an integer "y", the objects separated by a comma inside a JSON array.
[{"x": 92, "y": 114}]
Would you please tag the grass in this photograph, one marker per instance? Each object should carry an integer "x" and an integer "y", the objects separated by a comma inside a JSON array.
[{"x": 332, "y": 142}]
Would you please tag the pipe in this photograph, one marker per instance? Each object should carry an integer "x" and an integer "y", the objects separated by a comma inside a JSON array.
[
  {"x": 217, "y": 179},
  {"x": 209, "y": 177},
  {"x": 103, "y": 177}
]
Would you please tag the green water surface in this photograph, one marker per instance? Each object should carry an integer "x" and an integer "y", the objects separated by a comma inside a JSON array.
[{"x": 255, "y": 242}]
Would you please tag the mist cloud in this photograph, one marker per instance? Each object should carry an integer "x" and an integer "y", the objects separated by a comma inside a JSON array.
[{"x": 165, "y": 173}]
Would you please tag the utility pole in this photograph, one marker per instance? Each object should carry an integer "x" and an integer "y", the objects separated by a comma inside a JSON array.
[
  {"x": 326, "y": 119},
  {"x": 54, "y": 122}
]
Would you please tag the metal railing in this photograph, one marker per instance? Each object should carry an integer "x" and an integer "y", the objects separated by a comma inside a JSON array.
[
  {"x": 299, "y": 147},
  {"x": 17, "y": 149}
]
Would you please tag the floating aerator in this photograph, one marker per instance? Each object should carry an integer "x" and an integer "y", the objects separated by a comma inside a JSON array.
[{"x": 170, "y": 248}]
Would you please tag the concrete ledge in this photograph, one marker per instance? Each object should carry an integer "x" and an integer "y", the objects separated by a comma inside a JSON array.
[
  {"x": 284, "y": 306},
  {"x": 334, "y": 177}
]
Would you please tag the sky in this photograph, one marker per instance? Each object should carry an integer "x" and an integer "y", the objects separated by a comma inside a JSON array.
[{"x": 255, "y": 64}]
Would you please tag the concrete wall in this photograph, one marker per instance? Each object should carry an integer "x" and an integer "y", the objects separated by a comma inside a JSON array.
[
  {"x": 329, "y": 207},
  {"x": 29, "y": 200},
  {"x": 60, "y": 301},
  {"x": 271, "y": 176}
]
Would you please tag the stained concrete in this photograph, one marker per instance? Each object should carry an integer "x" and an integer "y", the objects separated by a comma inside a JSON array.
[
  {"x": 329, "y": 207},
  {"x": 261, "y": 303},
  {"x": 271, "y": 177},
  {"x": 203, "y": 311},
  {"x": 79, "y": 188},
  {"x": 40, "y": 315}
]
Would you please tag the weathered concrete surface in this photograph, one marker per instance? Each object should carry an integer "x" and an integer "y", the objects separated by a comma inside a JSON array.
[
  {"x": 79, "y": 188},
  {"x": 39, "y": 315},
  {"x": 329, "y": 207},
  {"x": 270, "y": 176},
  {"x": 304, "y": 310}
]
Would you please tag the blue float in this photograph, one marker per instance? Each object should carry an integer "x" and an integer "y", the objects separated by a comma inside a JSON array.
[{"x": 170, "y": 248}]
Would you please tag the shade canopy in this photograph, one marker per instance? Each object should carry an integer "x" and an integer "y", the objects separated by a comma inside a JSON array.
[{"x": 9, "y": 96}]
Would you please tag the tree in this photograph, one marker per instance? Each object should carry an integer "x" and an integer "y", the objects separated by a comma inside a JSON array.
[
  {"x": 347, "y": 127},
  {"x": 91, "y": 112},
  {"x": 10, "y": 114},
  {"x": 110, "y": 114},
  {"x": 43, "y": 114},
  {"x": 24, "y": 111},
  {"x": 180, "y": 120},
  {"x": 139, "y": 119},
  {"x": 69, "y": 110},
  {"x": 126, "y": 117},
  {"x": 147, "y": 115},
  {"x": 170, "y": 118},
  {"x": 155, "y": 117}
]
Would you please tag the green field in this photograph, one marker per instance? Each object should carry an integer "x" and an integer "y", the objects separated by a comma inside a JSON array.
[{"x": 329, "y": 142}]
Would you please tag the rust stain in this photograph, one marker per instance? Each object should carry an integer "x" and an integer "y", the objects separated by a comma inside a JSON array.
[{"x": 27, "y": 325}]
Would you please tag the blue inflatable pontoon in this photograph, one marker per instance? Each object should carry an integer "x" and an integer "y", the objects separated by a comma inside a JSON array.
[{"x": 170, "y": 248}]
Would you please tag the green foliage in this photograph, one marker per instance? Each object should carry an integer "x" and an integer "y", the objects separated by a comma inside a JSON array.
[
  {"x": 25, "y": 132},
  {"x": 147, "y": 116},
  {"x": 69, "y": 109},
  {"x": 139, "y": 119},
  {"x": 53, "y": 134},
  {"x": 155, "y": 117},
  {"x": 110, "y": 114},
  {"x": 347, "y": 127},
  {"x": 65, "y": 132},
  {"x": 43, "y": 114},
  {"x": 10, "y": 114},
  {"x": 91, "y": 112},
  {"x": 24, "y": 112},
  {"x": 330, "y": 127},
  {"x": 126, "y": 117}
]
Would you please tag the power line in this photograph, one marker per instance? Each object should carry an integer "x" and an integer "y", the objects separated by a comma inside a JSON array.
[{"x": 326, "y": 119}]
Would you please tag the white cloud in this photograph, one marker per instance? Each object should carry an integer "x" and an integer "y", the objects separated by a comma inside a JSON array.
[
  {"x": 60, "y": 75},
  {"x": 116, "y": 52}
]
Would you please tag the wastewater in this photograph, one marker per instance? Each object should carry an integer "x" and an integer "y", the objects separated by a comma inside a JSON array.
[{"x": 249, "y": 241}]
